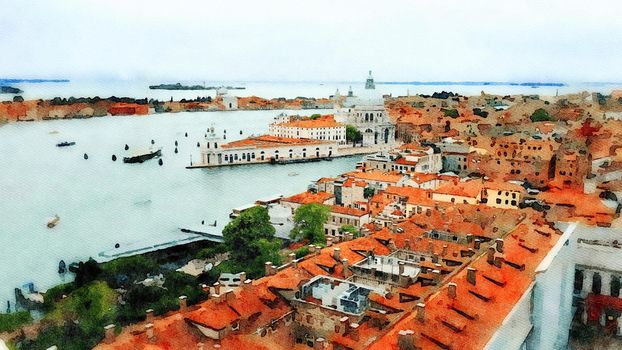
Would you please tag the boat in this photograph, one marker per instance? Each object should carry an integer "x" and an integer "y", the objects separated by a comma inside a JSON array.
[
  {"x": 141, "y": 157},
  {"x": 53, "y": 221},
  {"x": 293, "y": 173},
  {"x": 65, "y": 144}
]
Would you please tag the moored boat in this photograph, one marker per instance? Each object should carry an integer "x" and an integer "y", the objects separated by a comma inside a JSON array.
[
  {"x": 141, "y": 157},
  {"x": 65, "y": 144}
]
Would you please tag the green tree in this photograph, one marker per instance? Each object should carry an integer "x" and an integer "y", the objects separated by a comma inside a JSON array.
[
  {"x": 309, "y": 222},
  {"x": 315, "y": 116},
  {"x": 369, "y": 192},
  {"x": 250, "y": 240},
  {"x": 349, "y": 229},
  {"x": 352, "y": 134},
  {"x": 541, "y": 115}
]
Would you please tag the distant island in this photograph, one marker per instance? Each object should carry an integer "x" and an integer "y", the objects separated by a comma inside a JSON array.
[
  {"x": 10, "y": 90},
  {"x": 469, "y": 83},
  {"x": 178, "y": 86},
  {"x": 15, "y": 81}
]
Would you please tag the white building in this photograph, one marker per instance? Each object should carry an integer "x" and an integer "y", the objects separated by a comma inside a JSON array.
[
  {"x": 263, "y": 149},
  {"x": 564, "y": 285},
  {"x": 230, "y": 102},
  {"x": 321, "y": 128},
  {"x": 368, "y": 114}
]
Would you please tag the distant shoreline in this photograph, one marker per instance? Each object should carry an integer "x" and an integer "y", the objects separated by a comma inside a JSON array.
[{"x": 179, "y": 86}]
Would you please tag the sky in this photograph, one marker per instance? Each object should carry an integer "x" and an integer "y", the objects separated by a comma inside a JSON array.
[{"x": 285, "y": 40}]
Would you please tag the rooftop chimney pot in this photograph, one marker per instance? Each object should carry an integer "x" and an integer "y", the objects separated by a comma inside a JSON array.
[
  {"x": 421, "y": 312},
  {"x": 471, "y": 272}
]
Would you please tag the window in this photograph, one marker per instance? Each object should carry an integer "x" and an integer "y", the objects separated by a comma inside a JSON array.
[
  {"x": 498, "y": 200},
  {"x": 615, "y": 286},
  {"x": 578, "y": 281},
  {"x": 596, "y": 283}
]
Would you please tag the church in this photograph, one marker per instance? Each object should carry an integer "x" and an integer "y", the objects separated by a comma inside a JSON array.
[{"x": 367, "y": 113}]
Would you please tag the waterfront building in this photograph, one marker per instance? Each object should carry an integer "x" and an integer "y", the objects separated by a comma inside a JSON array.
[
  {"x": 321, "y": 128},
  {"x": 263, "y": 149},
  {"x": 229, "y": 102},
  {"x": 368, "y": 114}
]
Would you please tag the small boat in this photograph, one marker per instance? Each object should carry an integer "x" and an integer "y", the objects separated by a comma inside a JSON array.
[
  {"x": 53, "y": 221},
  {"x": 65, "y": 144},
  {"x": 141, "y": 157},
  {"x": 293, "y": 173}
]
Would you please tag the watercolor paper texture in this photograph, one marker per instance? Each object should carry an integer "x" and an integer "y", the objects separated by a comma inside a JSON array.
[{"x": 310, "y": 175}]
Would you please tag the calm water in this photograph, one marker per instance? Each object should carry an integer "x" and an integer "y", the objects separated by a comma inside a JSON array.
[
  {"x": 101, "y": 202},
  {"x": 140, "y": 89}
]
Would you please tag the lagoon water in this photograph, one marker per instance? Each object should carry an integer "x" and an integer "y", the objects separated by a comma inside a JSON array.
[
  {"x": 101, "y": 202},
  {"x": 140, "y": 89}
]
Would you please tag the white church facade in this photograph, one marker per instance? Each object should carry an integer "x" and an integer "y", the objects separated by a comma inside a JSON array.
[{"x": 368, "y": 114}]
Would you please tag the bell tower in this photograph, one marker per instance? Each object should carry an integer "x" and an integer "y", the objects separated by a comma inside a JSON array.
[{"x": 369, "y": 84}]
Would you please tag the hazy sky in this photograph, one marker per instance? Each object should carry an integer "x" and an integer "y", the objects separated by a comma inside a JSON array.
[{"x": 313, "y": 40}]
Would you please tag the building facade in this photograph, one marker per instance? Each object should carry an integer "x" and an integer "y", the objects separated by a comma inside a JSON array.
[{"x": 368, "y": 114}]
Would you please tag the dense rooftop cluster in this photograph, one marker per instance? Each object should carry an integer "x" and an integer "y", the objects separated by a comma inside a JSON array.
[{"x": 452, "y": 227}]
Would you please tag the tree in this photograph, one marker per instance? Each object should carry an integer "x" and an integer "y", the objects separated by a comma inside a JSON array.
[
  {"x": 309, "y": 222},
  {"x": 541, "y": 115},
  {"x": 352, "y": 134},
  {"x": 349, "y": 229},
  {"x": 250, "y": 240},
  {"x": 369, "y": 192},
  {"x": 315, "y": 116}
]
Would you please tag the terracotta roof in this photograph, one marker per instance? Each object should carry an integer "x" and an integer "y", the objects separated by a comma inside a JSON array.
[
  {"x": 465, "y": 189},
  {"x": 309, "y": 197},
  {"x": 266, "y": 141},
  {"x": 325, "y": 121},
  {"x": 348, "y": 211}
]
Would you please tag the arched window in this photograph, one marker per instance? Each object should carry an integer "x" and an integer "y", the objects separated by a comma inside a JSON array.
[{"x": 615, "y": 286}]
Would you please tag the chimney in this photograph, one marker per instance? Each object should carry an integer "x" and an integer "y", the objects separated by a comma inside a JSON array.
[
  {"x": 329, "y": 241},
  {"x": 407, "y": 244},
  {"x": 216, "y": 287},
  {"x": 109, "y": 333},
  {"x": 437, "y": 276},
  {"x": 268, "y": 265},
  {"x": 291, "y": 257},
  {"x": 217, "y": 298},
  {"x": 247, "y": 284},
  {"x": 295, "y": 263},
  {"x": 149, "y": 316},
  {"x": 336, "y": 253},
  {"x": 346, "y": 268},
  {"x": 445, "y": 250},
  {"x": 319, "y": 343},
  {"x": 350, "y": 236},
  {"x": 421, "y": 312},
  {"x": 430, "y": 247},
  {"x": 490, "y": 257},
  {"x": 200, "y": 346},
  {"x": 401, "y": 267},
  {"x": 451, "y": 290},
  {"x": 229, "y": 295},
  {"x": 183, "y": 303},
  {"x": 499, "y": 245},
  {"x": 354, "y": 331},
  {"x": 471, "y": 275},
  {"x": 311, "y": 248},
  {"x": 477, "y": 243},
  {"x": 345, "y": 323},
  {"x": 150, "y": 333},
  {"x": 406, "y": 339},
  {"x": 242, "y": 277},
  {"x": 469, "y": 237}
]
